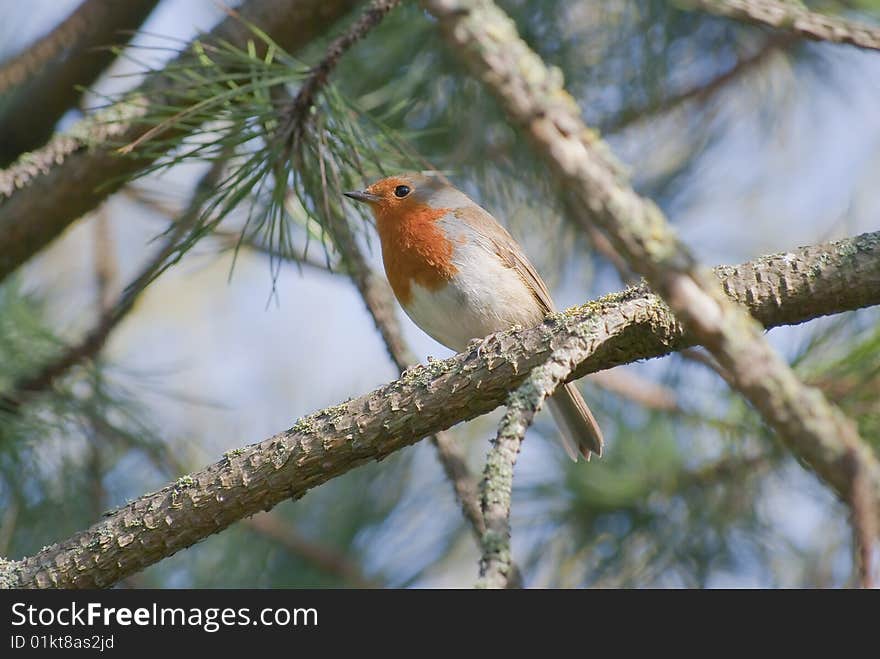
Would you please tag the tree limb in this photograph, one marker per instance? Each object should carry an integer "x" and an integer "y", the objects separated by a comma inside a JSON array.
[
  {"x": 620, "y": 328},
  {"x": 533, "y": 97},
  {"x": 791, "y": 17},
  {"x": 296, "y": 113},
  {"x": 497, "y": 487},
  {"x": 49, "y": 74},
  {"x": 46, "y": 190}
]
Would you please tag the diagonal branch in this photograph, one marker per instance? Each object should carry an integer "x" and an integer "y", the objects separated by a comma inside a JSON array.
[
  {"x": 46, "y": 190},
  {"x": 620, "y": 328},
  {"x": 534, "y": 98},
  {"x": 49, "y": 75},
  {"x": 791, "y": 17}
]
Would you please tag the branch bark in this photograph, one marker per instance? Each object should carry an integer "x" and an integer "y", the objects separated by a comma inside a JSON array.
[
  {"x": 46, "y": 190},
  {"x": 497, "y": 487},
  {"x": 47, "y": 75},
  {"x": 533, "y": 97},
  {"x": 624, "y": 327},
  {"x": 791, "y": 17}
]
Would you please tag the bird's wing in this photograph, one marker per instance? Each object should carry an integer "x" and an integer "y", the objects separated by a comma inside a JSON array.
[{"x": 509, "y": 251}]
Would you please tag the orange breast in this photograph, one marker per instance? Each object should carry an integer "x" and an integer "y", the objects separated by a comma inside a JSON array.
[{"x": 414, "y": 249}]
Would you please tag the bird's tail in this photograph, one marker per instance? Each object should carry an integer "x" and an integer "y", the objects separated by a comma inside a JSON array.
[{"x": 580, "y": 432}]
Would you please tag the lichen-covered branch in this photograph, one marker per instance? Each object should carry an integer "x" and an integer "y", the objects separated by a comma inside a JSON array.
[
  {"x": 791, "y": 17},
  {"x": 496, "y": 490},
  {"x": 51, "y": 73},
  {"x": 534, "y": 98},
  {"x": 620, "y": 328},
  {"x": 45, "y": 190}
]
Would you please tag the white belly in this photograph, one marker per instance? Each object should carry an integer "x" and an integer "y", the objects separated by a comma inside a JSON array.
[{"x": 478, "y": 300}]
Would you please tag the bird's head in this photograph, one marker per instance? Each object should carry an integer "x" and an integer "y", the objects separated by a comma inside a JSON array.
[{"x": 404, "y": 196}]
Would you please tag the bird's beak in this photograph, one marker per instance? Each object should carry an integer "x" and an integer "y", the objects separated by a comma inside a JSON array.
[{"x": 360, "y": 195}]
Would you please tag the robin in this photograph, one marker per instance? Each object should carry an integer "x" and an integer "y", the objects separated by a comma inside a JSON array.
[{"x": 459, "y": 275}]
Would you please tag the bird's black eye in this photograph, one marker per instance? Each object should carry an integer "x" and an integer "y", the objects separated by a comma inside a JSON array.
[{"x": 401, "y": 191}]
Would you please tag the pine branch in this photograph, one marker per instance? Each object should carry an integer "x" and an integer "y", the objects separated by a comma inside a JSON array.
[
  {"x": 46, "y": 190},
  {"x": 96, "y": 338},
  {"x": 296, "y": 114},
  {"x": 497, "y": 487},
  {"x": 632, "y": 325},
  {"x": 49, "y": 74},
  {"x": 792, "y": 17},
  {"x": 533, "y": 97}
]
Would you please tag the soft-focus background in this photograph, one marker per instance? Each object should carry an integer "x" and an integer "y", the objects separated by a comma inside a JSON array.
[{"x": 750, "y": 141}]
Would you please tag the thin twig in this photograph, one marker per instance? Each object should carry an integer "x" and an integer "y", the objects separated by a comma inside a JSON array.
[
  {"x": 627, "y": 384},
  {"x": 600, "y": 243},
  {"x": 700, "y": 356},
  {"x": 497, "y": 486},
  {"x": 106, "y": 271},
  {"x": 295, "y": 115}
]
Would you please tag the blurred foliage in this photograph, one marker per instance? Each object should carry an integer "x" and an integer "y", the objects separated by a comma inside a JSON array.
[{"x": 694, "y": 497}]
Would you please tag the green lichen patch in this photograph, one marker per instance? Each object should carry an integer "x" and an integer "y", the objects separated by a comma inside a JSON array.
[{"x": 184, "y": 482}]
